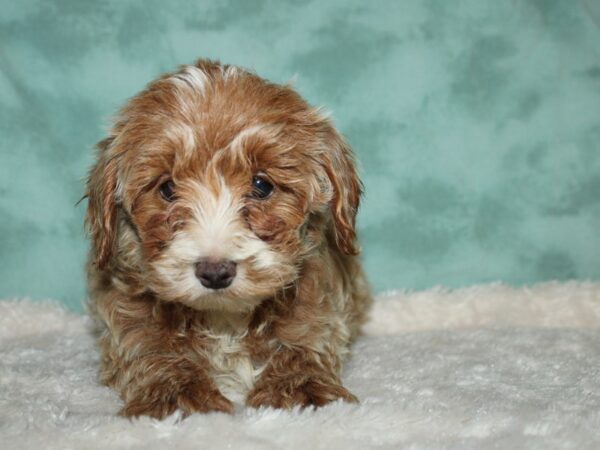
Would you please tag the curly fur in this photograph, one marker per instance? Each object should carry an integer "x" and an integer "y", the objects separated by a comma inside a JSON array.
[{"x": 278, "y": 334}]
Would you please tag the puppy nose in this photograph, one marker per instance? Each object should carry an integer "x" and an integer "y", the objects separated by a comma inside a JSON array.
[{"x": 215, "y": 274}]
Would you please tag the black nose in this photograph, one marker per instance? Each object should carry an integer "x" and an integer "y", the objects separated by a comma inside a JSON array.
[{"x": 215, "y": 274}]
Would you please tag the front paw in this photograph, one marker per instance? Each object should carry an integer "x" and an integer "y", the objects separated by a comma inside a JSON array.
[
  {"x": 293, "y": 391},
  {"x": 159, "y": 402}
]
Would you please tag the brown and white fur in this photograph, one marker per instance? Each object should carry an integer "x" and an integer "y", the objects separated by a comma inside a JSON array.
[{"x": 277, "y": 335}]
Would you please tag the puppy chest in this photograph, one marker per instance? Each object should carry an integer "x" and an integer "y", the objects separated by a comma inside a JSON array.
[{"x": 231, "y": 366}]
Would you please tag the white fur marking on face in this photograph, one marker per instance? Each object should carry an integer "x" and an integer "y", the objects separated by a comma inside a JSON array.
[
  {"x": 182, "y": 135},
  {"x": 215, "y": 230},
  {"x": 216, "y": 216},
  {"x": 218, "y": 230},
  {"x": 268, "y": 131}
]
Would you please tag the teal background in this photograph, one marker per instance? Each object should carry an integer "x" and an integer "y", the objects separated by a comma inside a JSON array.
[{"x": 477, "y": 124}]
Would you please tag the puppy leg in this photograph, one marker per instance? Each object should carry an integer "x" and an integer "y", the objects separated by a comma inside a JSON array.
[
  {"x": 179, "y": 385},
  {"x": 151, "y": 356},
  {"x": 299, "y": 377}
]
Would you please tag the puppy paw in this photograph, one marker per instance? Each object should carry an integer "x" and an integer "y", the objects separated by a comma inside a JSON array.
[
  {"x": 287, "y": 393},
  {"x": 189, "y": 399}
]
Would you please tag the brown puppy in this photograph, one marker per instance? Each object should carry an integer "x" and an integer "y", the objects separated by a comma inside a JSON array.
[{"x": 223, "y": 265}]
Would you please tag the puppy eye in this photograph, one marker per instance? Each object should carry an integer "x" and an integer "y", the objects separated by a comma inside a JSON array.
[
  {"x": 261, "y": 188},
  {"x": 167, "y": 190}
]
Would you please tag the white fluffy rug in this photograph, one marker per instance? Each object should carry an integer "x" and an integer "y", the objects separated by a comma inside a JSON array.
[{"x": 484, "y": 367}]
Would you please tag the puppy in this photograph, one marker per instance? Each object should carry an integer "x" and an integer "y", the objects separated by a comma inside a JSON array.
[{"x": 223, "y": 266}]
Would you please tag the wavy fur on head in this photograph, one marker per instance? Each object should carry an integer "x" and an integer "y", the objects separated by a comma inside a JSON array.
[{"x": 276, "y": 336}]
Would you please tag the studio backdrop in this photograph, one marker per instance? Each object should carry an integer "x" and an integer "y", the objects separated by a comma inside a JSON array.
[{"x": 476, "y": 124}]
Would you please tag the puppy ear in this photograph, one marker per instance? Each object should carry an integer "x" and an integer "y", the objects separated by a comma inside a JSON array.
[
  {"x": 101, "y": 216},
  {"x": 347, "y": 189}
]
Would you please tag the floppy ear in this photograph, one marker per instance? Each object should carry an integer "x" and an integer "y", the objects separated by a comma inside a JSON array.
[
  {"x": 101, "y": 216},
  {"x": 347, "y": 189}
]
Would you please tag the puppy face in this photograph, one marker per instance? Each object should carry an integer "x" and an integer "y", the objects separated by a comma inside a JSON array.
[{"x": 215, "y": 185}]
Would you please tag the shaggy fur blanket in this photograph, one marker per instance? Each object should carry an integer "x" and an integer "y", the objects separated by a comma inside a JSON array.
[{"x": 482, "y": 367}]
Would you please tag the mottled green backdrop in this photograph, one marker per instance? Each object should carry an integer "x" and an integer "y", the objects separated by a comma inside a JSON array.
[{"x": 477, "y": 123}]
